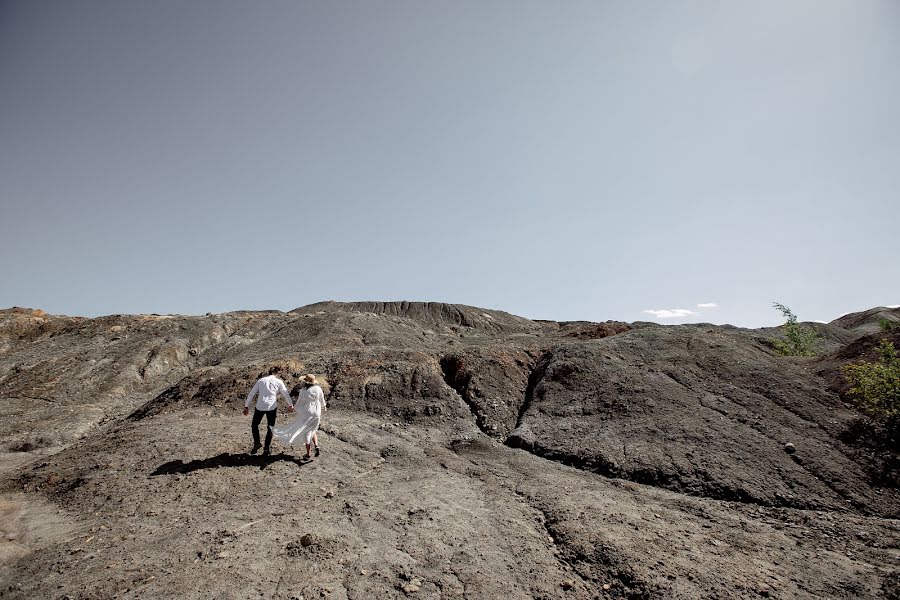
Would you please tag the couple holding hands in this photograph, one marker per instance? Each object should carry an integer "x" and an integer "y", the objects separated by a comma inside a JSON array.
[{"x": 309, "y": 406}]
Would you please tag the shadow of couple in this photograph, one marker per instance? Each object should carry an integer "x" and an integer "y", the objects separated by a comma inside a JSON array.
[{"x": 226, "y": 459}]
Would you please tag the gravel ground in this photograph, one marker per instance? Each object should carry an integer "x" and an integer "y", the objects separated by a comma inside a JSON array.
[
  {"x": 171, "y": 507},
  {"x": 466, "y": 454}
]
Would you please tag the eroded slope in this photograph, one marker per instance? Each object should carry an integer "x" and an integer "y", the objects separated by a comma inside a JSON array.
[{"x": 647, "y": 461}]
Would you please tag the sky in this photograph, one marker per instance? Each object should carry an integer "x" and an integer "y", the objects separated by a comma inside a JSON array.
[{"x": 567, "y": 160}]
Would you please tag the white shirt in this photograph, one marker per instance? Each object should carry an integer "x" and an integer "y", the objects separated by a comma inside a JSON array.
[{"x": 268, "y": 388}]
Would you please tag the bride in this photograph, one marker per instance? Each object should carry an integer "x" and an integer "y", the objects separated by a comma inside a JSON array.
[{"x": 310, "y": 405}]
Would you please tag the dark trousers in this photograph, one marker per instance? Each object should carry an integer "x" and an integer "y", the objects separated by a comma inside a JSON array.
[{"x": 270, "y": 421}]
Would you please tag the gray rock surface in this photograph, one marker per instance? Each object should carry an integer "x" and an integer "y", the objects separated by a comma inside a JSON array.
[{"x": 466, "y": 453}]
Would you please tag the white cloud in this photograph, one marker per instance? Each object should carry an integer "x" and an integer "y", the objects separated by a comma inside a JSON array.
[
  {"x": 708, "y": 305},
  {"x": 893, "y": 306},
  {"x": 670, "y": 313}
]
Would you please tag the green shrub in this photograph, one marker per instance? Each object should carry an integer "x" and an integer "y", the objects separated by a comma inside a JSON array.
[
  {"x": 799, "y": 340},
  {"x": 877, "y": 384},
  {"x": 888, "y": 324}
]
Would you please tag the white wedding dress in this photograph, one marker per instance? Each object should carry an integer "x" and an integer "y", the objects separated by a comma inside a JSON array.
[{"x": 309, "y": 407}]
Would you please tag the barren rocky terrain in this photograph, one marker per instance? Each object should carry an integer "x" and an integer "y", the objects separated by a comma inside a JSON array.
[{"x": 466, "y": 453}]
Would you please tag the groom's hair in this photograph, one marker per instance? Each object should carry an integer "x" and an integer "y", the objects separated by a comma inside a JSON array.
[{"x": 274, "y": 370}]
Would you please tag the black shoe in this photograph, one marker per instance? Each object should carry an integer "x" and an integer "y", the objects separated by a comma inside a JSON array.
[
  {"x": 317, "y": 451},
  {"x": 255, "y": 448},
  {"x": 267, "y": 452}
]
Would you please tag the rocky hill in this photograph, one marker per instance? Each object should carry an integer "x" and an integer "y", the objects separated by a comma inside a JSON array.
[{"x": 467, "y": 453}]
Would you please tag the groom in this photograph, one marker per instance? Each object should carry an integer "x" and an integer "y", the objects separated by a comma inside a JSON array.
[{"x": 268, "y": 388}]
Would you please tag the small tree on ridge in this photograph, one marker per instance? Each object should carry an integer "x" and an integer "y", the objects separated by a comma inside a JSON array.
[{"x": 799, "y": 340}]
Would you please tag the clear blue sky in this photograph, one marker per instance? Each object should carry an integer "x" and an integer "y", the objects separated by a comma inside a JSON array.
[{"x": 562, "y": 160}]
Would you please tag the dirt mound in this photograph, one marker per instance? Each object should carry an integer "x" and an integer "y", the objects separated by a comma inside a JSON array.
[
  {"x": 438, "y": 315},
  {"x": 214, "y": 387},
  {"x": 830, "y": 337},
  {"x": 870, "y": 321},
  {"x": 466, "y": 453},
  {"x": 704, "y": 412},
  {"x": 585, "y": 330},
  {"x": 861, "y": 349}
]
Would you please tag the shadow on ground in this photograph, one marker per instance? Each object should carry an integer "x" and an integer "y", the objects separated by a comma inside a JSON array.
[{"x": 226, "y": 459}]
